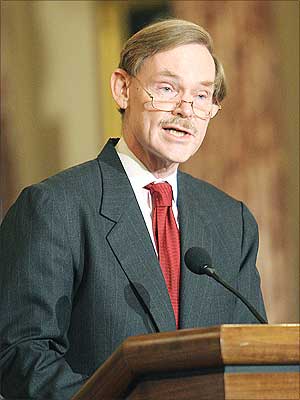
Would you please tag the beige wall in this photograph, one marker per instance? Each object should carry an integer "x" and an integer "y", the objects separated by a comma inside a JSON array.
[
  {"x": 49, "y": 73},
  {"x": 287, "y": 34}
]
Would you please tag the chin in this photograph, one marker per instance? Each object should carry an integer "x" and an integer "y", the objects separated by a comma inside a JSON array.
[{"x": 181, "y": 157}]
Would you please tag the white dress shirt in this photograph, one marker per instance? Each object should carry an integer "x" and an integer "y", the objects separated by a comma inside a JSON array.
[{"x": 139, "y": 177}]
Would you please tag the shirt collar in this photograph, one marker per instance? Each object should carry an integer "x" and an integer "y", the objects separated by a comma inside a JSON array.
[{"x": 136, "y": 171}]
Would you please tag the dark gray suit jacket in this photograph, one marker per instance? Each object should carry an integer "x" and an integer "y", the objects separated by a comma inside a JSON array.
[{"x": 78, "y": 273}]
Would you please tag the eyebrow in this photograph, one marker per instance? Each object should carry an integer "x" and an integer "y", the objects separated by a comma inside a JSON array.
[{"x": 167, "y": 73}]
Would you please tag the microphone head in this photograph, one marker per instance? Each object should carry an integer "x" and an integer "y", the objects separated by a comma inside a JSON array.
[{"x": 198, "y": 260}]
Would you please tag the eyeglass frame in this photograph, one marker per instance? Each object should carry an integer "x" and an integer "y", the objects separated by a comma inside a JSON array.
[{"x": 176, "y": 105}]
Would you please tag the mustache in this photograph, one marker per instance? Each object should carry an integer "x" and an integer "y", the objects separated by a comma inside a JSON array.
[{"x": 183, "y": 123}]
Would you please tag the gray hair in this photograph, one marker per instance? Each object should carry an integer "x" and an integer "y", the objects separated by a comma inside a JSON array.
[{"x": 165, "y": 35}]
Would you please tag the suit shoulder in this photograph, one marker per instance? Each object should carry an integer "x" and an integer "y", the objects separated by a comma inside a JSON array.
[
  {"x": 78, "y": 184},
  {"x": 86, "y": 173},
  {"x": 217, "y": 205},
  {"x": 207, "y": 189},
  {"x": 215, "y": 201},
  {"x": 76, "y": 178}
]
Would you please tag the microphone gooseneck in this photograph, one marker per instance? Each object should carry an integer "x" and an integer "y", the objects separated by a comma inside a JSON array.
[{"x": 199, "y": 262}]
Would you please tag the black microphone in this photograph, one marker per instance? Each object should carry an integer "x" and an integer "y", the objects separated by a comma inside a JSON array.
[{"x": 199, "y": 262}]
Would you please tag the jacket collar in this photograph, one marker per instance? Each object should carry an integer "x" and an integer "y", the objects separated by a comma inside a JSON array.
[{"x": 130, "y": 240}]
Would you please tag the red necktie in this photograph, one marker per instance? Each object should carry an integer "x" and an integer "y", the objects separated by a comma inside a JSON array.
[{"x": 166, "y": 236}]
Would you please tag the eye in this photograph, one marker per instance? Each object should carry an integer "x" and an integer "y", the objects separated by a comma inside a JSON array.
[
  {"x": 165, "y": 89},
  {"x": 202, "y": 96},
  {"x": 202, "y": 99}
]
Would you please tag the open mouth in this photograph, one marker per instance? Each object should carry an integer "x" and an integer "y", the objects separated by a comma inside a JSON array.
[{"x": 177, "y": 131}]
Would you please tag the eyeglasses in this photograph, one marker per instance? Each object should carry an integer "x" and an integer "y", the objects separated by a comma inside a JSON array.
[{"x": 166, "y": 100}]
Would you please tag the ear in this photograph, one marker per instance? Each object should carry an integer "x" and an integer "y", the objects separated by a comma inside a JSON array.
[{"x": 119, "y": 84}]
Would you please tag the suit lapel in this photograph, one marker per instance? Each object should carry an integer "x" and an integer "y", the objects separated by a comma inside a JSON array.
[
  {"x": 130, "y": 240},
  {"x": 195, "y": 230}
]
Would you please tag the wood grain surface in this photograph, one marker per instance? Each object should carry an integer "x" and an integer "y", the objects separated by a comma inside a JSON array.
[{"x": 192, "y": 362}]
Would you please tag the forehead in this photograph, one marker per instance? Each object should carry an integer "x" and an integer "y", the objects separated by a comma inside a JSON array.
[{"x": 188, "y": 63}]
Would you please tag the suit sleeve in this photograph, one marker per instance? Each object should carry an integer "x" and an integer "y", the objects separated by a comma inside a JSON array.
[
  {"x": 36, "y": 291},
  {"x": 249, "y": 279}
]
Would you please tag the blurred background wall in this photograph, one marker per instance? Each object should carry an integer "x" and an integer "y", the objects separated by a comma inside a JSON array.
[{"x": 56, "y": 108}]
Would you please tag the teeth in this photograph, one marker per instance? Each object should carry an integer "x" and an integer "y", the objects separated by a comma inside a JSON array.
[{"x": 176, "y": 133}]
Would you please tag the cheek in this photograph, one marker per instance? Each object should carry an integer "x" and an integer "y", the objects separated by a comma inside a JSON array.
[
  {"x": 139, "y": 123},
  {"x": 151, "y": 123},
  {"x": 202, "y": 128},
  {"x": 201, "y": 133}
]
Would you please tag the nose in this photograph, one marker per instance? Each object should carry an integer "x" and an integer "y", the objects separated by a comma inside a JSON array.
[{"x": 184, "y": 108}]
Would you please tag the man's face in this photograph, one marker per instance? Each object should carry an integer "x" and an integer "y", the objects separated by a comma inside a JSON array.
[{"x": 159, "y": 139}]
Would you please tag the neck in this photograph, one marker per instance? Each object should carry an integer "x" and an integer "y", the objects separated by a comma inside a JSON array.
[
  {"x": 161, "y": 171},
  {"x": 160, "y": 168}
]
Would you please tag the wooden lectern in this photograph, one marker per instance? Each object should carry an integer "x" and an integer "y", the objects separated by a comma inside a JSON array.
[{"x": 225, "y": 362}]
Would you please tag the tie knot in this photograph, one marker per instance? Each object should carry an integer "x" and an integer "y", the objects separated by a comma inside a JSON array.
[{"x": 161, "y": 194}]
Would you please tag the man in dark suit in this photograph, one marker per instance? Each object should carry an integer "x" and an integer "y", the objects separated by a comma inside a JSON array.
[{"x": 81, "y": 267}]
